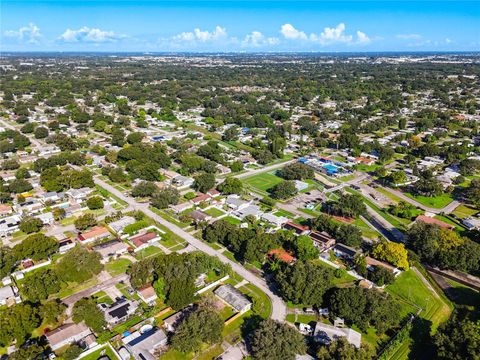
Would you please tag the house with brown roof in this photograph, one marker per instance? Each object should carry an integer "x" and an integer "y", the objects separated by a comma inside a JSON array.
[
  {"x": 111, "y": 248},
  {"x": 94, "y": 234},
  {"x": 297, "y": 228},
  {"x": 147, "y": 294},
  {"x": 144, "y": 240},
  {"x": 199, "y": 216},
  {"x": 67, "y": 334},
  {"x": 201, "y": 198},
  {"x": 322, "y": 240}
]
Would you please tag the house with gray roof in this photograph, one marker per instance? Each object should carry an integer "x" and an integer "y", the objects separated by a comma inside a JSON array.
[{"x": 233, "y": 297}]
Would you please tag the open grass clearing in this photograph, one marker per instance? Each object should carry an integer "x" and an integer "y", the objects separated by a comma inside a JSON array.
[
  {"x": 263, "y": 181},
  {"x": 436, "y": 202},
  {"x": 117, "y": 267}
]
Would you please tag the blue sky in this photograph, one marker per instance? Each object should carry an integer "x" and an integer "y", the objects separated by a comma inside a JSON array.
[{"x": 249, "y": 26}]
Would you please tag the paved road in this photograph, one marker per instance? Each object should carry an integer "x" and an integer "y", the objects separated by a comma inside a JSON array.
[
  {"x": 447, "y": 209},
  {"x": 72, "y": 299},
  {"x": 31, "y": 138},
  {"x": 264, "y": 169},
  {"x": 278, "y": 306},
  {"x": 354, "y": 181}
]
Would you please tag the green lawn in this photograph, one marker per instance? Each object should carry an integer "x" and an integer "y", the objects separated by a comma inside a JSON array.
[
  {"x": 148, "y": 251},
  {"x": 263, "y": 181},
  {"x": 261, "y": 302},
  {"x": 413, "y": 294},
  {"x": 285, "y": 213},
  {"x": 101, "y": 352},
  {"x": 232, "y": 220},
  {"x": 214, "y": 212},
  {"x": 436, "y": 202},
  {"x": 463, "y": 211},
  {"x": 117, "y": 267}
]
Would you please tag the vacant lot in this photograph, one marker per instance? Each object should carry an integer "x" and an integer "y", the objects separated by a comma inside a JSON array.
[
  {"x": 436, "y": 202},
  {"x": 263, "y": 181}
]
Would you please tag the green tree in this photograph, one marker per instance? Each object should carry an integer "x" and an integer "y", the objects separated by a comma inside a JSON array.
[
  {"x": 273, "y": 340},
  {"x": 30, "y": 225},
  {"x": 283, "y": 190},
  {"x": 231, "y": 185},
  {"x": 86, "y": 310},
  {"x": 297, "y": 171},
  {"x": 144, "y": 189},
  {"x": 180, "y": 292},
  {"x": 304, "y": 282},
  {"x": 79, "y": 265},
  {"x": 51, "y": 311},
  {"x": 41, "y": 132},
  {"x": 95, "y": 202},
  {"x": 85, "y": 221},
  {"x": 72, "y": 352},
  {"x": 201, "y": 326},
  {"x": 7, "y": 261},
  {"x": 165, "y": 197},
  {"x": 340, "y": 349},
  {"x": 304, "y": 248},
  {"x": 36, "y": 247},
  {"x": 41, "y": 286},
  {"x": 17, "y": 323},
  {"x": 204, "y": 182}
]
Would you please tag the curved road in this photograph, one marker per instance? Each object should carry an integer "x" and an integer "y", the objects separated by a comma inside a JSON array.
[
  {"x": 447, "y": 209},
  {"x": 279, "y": 309}
]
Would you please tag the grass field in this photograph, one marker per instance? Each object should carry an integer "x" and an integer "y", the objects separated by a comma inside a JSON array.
[
  {"x": 263, "y": 181},
  {"x": 118, "y": 266},
  {"x": 105, "y": 351},
  {"x": 214, "y": 212},
  {"x": 412, "y": 293},
  {"x": 436, "y": 202},
  {"x": 463, "y": 211}
]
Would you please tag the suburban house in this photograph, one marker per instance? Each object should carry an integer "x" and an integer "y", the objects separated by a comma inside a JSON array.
[
  {"x": 8, "y": 296},
  {"x": 276, "y": 221},
  {"x": 67, "y": 334},
  {"x": 119, "y": 311},
  {"x": 171, "y": 322},
  {"x": 253, "y": 210},
  {"x": 201, "y": 198},
  {"x": 144, "y": 240},
  {"x": 199, "y": 216},
  {"x": 325, "y": 334},
  {"x": 94, "y": 234},
  {"x": 344, "y": 251},
  {"x": 235, "y": 203},
  {"x": 79, "y": 194},
  {"x": 147, "y": 294},
  {"x": 322, "y": 240},
  {"x": 142, "y": 346},
  {"x": 233, "y": 297},
  {"x": 177, "y": 209},
  {"x": 297, "y": 228},
  {"x": 10, "y": 224},
  {"x": 5, "y": 209},
  {"x": 371, "y": 262},
  {"x": 111, "y": 248},
  {"x": 181, "y": 182},
  {"x": 119, "y": 225}
]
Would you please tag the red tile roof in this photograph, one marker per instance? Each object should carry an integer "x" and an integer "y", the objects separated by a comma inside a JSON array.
[
  {"x": 282, "y": 255},
  {"x": 139, "y": 240}
]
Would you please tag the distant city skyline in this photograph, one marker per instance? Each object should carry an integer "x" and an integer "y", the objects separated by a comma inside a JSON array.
[{"x": 239, "y": 26}]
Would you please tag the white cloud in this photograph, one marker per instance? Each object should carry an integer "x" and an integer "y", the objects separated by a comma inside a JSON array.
[
  {"x": 203, "y": 36},
  {"x": 362, "y": 38},
  {"x": 30, "y": 33},
  {"x": 409, "y": 36},
  {"x": 289, "y": 32},
  {"x": 333, "y": 35},
  {"x": 329, "y": 35},
  {"x": 257, "y": 39},
  {"x": 89, "y": 35}
]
